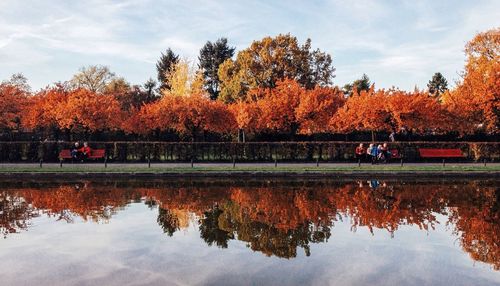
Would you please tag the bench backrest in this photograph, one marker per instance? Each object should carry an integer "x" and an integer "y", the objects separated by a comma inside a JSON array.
[
  {"x": 97, "y": 153},
  {"x": 395, "y": 153},
  {"x": 440, "y": 153},
  {"x": 65, "y": 153}
]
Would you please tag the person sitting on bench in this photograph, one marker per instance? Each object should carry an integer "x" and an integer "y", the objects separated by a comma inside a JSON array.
[
  {"x": 384, "y": 152},
  {"x": 75, "y": 151},
  {"x": 360, "y": 152},
  {"x": 372, "y": 151},
  {"x": 85, "y": 150}
]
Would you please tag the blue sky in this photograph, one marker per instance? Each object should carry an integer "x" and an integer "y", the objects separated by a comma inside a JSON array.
[{"x": 397, "y": 43}]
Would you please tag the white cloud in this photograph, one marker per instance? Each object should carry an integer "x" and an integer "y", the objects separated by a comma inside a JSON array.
[{"x": 395, "y": 43}]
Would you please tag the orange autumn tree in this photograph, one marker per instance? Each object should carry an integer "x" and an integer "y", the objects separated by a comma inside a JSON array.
[
  {"x": 12, "y": 101},
  {"x": 188, "y": 115},
  {"x": 219, "y": 117},
  {"x": 291, "y": 108},
  {"x": 196, "y": 113},
  {"x": 246, "y": 115},
  {"x": 41, "y": 111},
  {"x": 386, "y": 110},
  {"x": 416, "y": 111},
  {"x": 157, "y": 115},
  {"x": 134, "y": 121},
  {"x": 476, "y": 100},
  {"x": 277, "y": 107},
  {"x": 365, "y": 111},
  {"x": 74, "y": 110},
  {"x": 87, "y": 110},
  {"x": 317, "y": 107}
]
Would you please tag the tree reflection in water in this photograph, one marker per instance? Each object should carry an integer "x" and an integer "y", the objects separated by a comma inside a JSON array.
[
  {"x": 210, "y": 230},
  {"x": 15, "y": 213},
  {"x": 275, "y": 218}
]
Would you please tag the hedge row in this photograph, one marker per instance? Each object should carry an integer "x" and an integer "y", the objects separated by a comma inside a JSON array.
[{"x": 227, "y": 151}]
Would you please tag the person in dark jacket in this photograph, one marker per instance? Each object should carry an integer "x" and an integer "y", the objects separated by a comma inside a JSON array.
[{"x": 75, "y": 151}]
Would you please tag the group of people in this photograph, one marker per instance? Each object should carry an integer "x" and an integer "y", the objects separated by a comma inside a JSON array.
[
  {"x": 80, "y": 153},
  {"x": 373, "y": 153}
]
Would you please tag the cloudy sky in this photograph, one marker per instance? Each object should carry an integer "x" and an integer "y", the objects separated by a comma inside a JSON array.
[{"x": 397, "y": 43}]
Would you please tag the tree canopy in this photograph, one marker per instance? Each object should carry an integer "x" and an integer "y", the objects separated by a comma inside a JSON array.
[
  {"x": 276, "y": 86},
  {"x": 476, "y": 100},
  {"x": 437, "y": 85},
  {"x": 212, "y": 55},
  {"x": 165, "y": 66},
  {"x": 94, "y": 78},
  {"x": 359, "y": 85},
  {"x": 271, "y": 59}
]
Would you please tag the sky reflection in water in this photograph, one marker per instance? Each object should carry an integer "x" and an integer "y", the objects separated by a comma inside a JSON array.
[{"x": 250, "y": 233}]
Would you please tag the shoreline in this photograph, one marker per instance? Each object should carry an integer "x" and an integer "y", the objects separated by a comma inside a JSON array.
[
  {"x": 256, "y": 175},
  {"x": 248, "y": 171}
]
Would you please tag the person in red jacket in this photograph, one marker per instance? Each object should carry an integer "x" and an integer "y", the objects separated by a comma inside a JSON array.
[
  {"x": 85, "y": 150},
  {"x": 360, "y": 152}
]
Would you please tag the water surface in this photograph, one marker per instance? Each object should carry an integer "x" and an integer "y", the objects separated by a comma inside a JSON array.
[{"x": 268, "y": 232}]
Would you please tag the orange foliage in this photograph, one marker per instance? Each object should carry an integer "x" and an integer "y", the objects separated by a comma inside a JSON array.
[
  {"x": 366, "y": 111},
  {"x": 188, "y": 114},
  {"x": 386, "y": 110},
  {"x": 42, "y": 111},
  {"x": 317, "y": 107},
  {"x": 246, "y": 115},
  {"x": 284, "y": 106},
  {"x": 416, "y": 111},
  {"x": 73, "y": 109},
  {"x": 12, "y": 101},
  {"x": 134, "y": 121},
  {"x": 159, "y": 114},
  {"x": 476, "y": 100},
  {"x": 277, "y": 106},
  {"x": 89, "y": 110}
]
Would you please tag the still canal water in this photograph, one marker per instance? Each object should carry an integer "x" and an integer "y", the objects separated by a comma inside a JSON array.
[{"x": 258, "y": 232}]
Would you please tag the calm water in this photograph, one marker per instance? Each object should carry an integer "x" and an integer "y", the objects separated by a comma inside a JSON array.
[{"x": 250, "y": 233}]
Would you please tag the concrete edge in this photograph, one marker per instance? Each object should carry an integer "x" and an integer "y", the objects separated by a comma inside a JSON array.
[{"x": 256, "y": 174}]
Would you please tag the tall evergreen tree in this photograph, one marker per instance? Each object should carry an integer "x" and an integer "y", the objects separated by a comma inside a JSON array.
[
  {"x": 164, "y": 66},
  {"x": 437, "y": 85},
  {"x": 211, "y": 56},
  {"x": 360, "y": 84}
]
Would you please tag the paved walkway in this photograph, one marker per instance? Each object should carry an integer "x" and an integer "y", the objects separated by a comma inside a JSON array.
[{"x": 242, "y": 165}]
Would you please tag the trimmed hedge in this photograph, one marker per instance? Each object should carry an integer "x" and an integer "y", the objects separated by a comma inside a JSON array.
[{"x": 241, "y": 152}]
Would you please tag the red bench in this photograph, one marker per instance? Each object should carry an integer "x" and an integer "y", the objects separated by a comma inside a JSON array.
[
  {"x": 440, "y": 153},
  {"x": 97, "y": 153},
  {"x": 65, "y": 154},
  {"x": 94, "y": 154},
  {"x": 395, "y": 154}
]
